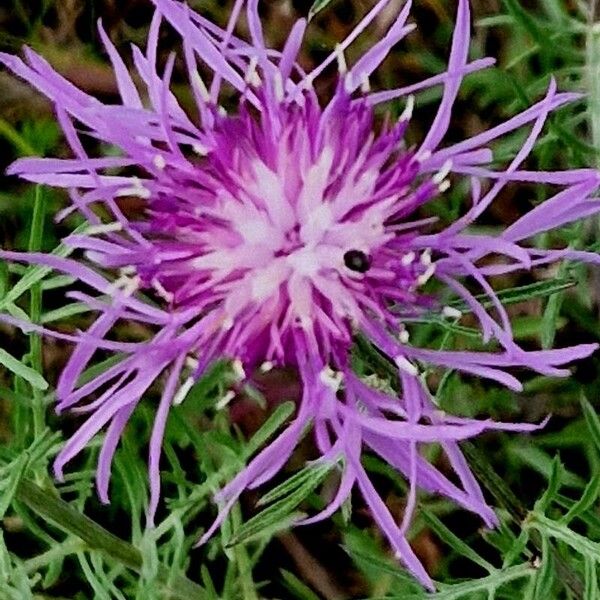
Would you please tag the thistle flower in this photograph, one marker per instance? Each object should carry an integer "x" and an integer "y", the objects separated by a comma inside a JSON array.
[{"x": 276, "y": 233}]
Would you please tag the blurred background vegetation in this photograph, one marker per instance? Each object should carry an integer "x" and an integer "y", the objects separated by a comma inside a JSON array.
[{"x": 56, "y": 540}]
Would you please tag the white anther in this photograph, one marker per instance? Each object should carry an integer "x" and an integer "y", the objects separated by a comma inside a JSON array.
[
  {"x": 251, "y": 68},
  {"x": 199, "y": 149},
  {"x": 227, "y": 323},
  {"x": 404, "y": 336},
  {"x": 266, "y": 366},
  {"x": 408, "y": 259},
  {"x": 137, "y": 189},
  {"x": 252, "y": 77},
  {"x": 107, "y": 228},
  {"x": 426, "y": 257},
  {"x": 142, "y": 140},
  {"x": 238, "y": 369},
  {"x": 331, "y": 378},
  {"x": 278, "y": 87},
  {"x": 445, "y": 185},
  {"x": 439, "y": 177},
  {"x": 425, "y": 277},
  {"x": 451, "y": 313},
  {"x": 126, "y": 271},
  {"x": 365, "y": 86},
  {"x": 423, "y": 156},
  {"x": 305, "y": 322},
  {"x": 305, "y": 85},
  {"x": 159, "y": 162},
  {"x": 225, "y": 400},
  {"x": 125, "y": 284},
  {"x": 191, "y": 363},
  {"x": 161, "y": 291},
  {"x": 132, "y": 285},
  {"x": 341, "y": 59},
  {"x": 408, "y": 109},
  {"x": 200, "y": 86},
  {"x": 403, "y": 363},
  {"x": 183, "y": 391},
  {"x": 348, "y": 83},
  {"x": 222, "y": 111}
]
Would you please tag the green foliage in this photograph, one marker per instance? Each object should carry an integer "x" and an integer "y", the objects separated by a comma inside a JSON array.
[
  {"x": 57, "y": 536},
  {"x": 318, "y": 6}
]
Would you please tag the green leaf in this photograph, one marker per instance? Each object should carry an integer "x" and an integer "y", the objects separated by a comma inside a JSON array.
[
  {"x": 591, "y": 591},
  {"x": 295, "y": 482},
  {"x": 35, "y": 274},
  {"x": 592, "y": 420},
  {"x": 57, "y": 281},
  {"x": 550, "y": 320},
  {"x": 544, "y": 580},
  {"x": 540, "y": 289},
  {"x": 540, "y": 461},
  {"x": 265, "y": 525},
  {"x": 205, "y": 389},
  {"x": 296, "y": 587},
  {"x": 208, "y": 583},
  {"x": 454, "y": 542},
  {"x": 317, "y": 7},
  {"x": 554, "y": 483},
  {"x": 18, "y": 368},
  {"x": 368, "y": 562},
  {"x": 551, "y": 528},
  {"x": 4, "y": 277},
  {"x": 99, "y": 368},
  {"x": 9, "y": 487},
  {"x": 64, "y": 312},
  {"x": 587, "y": 500},
  {"x": 525, "y": 19},
  {"x": 275, "y": 421},
  {"x": 517, "y": 549},
  {"x": 514, "y": 295},
  {"x": 100, "y": 592},
  {"x": 5, "y": 560},
  {"x": 48, "y": 505},
  {"x": 286, "y": 498},
  {"x": 470, "y": 589}
]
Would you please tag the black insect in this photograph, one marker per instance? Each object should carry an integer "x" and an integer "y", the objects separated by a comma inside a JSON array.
[{"x": 357, "y": 260}]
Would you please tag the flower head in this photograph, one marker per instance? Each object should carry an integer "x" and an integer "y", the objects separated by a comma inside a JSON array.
[{"x": 275, "y": 233}]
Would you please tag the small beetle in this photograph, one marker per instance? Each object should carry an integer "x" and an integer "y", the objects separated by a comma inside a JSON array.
[{"x": 357, "y": 260}]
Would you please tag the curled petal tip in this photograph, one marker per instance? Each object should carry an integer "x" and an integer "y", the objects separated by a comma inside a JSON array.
[{"x": 57, "y": 469}]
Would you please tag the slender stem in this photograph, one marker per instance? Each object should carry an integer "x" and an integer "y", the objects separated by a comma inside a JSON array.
[
  {"x": 593, "y": 76},
  {"x": 52, "y": 508},
  {"x": 35, "y": 311},
  {"x": 244, "y": 566}
]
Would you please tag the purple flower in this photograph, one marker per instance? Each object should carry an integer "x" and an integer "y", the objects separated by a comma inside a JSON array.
[{"x": 273, "y": 234}]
